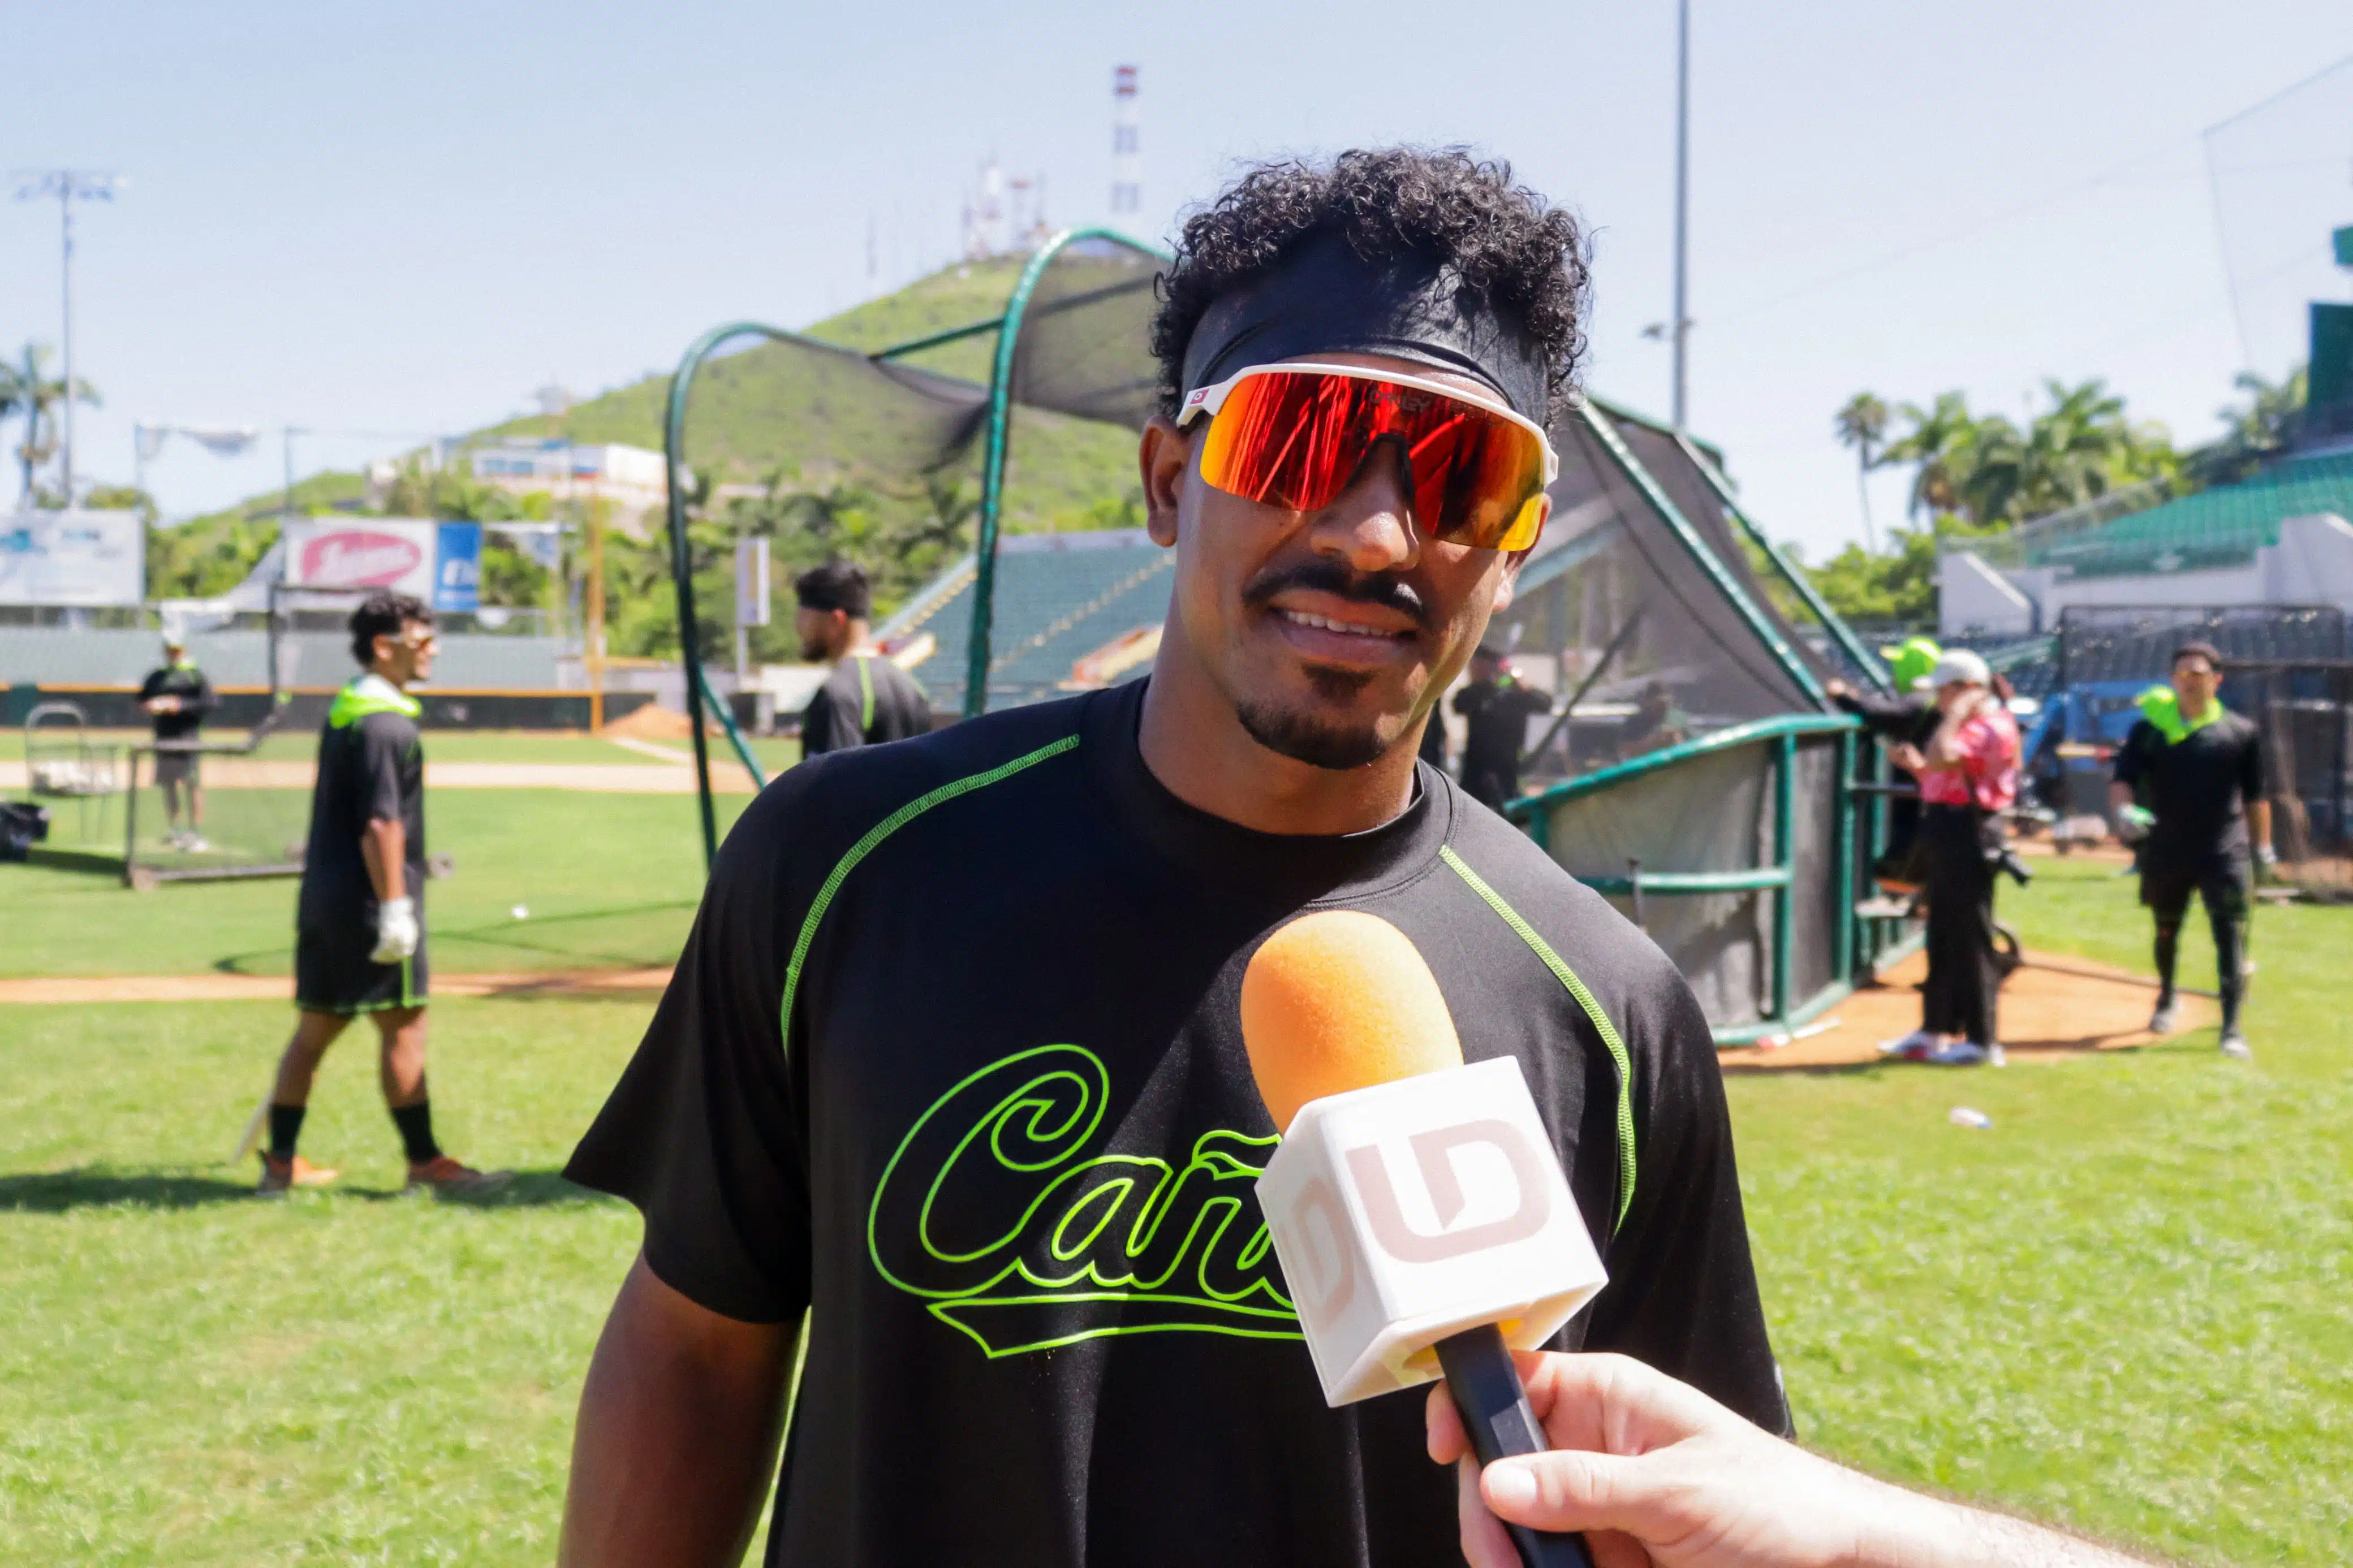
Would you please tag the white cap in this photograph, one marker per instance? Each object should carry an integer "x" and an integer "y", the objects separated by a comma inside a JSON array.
[{"x": 1959, "y": 664}]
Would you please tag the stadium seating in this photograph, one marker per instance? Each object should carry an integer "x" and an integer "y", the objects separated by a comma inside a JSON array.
[
  {"x": 1061, "y": 598},
  {"x": 2221, "y": 526}
]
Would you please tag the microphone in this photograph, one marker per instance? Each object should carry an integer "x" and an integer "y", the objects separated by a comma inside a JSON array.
[{"x": 1423, "y": 1226}]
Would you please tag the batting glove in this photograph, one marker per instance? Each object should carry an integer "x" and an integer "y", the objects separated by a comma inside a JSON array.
[
  {"x": 2133, "y": 822},
  {"x": 395, "y": 930}
]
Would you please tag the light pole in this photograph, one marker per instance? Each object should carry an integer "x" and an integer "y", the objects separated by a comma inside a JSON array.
[
  {"x": 1681, "y": 326},
  {"x": 68, "y": 186}
]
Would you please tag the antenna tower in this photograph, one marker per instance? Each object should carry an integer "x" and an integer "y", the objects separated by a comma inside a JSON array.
[{"x": 1126, "y": 148}]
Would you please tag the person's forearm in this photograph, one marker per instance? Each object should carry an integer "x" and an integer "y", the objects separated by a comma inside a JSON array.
[
  {"x": 2120, "y": 795},
  {"x": 2259, "y": 822},
  {"x": 677, "y": 1438},
  {"x": 1915, "y": 1532},
  {"x": 384, "y": 846}
]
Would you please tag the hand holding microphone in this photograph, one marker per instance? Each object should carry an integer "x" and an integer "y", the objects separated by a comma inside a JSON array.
[{"x": 1422, "y": 1218}]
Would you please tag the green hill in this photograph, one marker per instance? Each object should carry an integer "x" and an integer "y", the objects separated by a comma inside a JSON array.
[{"x": 780, "y": 418}]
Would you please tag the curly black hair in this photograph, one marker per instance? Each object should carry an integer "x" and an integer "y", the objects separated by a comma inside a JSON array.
[
  {"x": 385, "y": 614},
  {"x": 1505, "y": 239}
]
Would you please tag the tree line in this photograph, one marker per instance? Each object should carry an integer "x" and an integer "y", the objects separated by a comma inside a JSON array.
[{"x": 1979, "y": 475}]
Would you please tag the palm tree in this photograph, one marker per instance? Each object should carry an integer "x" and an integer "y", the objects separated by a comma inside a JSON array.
[
  {"x": 1941, "y": 442},
  {"x": 1862, "y": 425},
  {"x": 28, "y": 391}
]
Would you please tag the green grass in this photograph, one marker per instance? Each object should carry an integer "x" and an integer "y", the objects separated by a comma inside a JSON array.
[
  {"x": 189, "y": 1377},
  {"x": 461, "y": 746},
  {"x": 2127, "y": 1307},
  {"x": 609, "y": 881}
]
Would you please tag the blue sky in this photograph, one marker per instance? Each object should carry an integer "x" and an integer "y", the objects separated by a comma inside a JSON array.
[{"x": 401, "y": 218}]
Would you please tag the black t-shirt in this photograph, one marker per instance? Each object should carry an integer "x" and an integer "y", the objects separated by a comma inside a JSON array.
[
  {"x": 371, "y": 768},
  {"x": 865, "y": 702},
  {"x": 187, "y": 683},
  {"x": 2198, "y": 785},
  {"x": 1496, "y": 715},
  {"x": 952, "y": 1058}
]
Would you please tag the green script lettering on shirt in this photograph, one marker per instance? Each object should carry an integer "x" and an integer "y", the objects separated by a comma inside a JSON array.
[{"x": 1000, "y": 1208}]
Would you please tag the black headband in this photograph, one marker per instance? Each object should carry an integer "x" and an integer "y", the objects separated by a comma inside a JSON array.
[{"x": 1323, "y": 298}]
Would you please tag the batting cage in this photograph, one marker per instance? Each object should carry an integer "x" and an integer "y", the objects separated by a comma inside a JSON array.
[
  {"x": 1695, "y": 771},
  {"x": 233, "y": 806},
  {"x": 1062, "y": 366}
]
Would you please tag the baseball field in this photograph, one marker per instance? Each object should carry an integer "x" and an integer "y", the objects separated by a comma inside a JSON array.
[{"x": 2128, "y": 1305}]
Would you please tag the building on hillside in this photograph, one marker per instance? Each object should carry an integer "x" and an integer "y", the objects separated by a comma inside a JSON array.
[{"x": 629, "y": 476}]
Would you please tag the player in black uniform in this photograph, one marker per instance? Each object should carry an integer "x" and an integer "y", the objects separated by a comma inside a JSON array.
[
  {"x": 953, "y": 1060},
  {"x": 178, "y": 699},
  {"x": 1495, "y": 709},
  {"x": 2189, "y": 784},
  {"x": 359, "y": 927},
  {"x": 868, "y": 700}
]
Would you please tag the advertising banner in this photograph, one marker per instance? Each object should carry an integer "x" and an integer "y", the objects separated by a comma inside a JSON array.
[
  {"x": 458, "y": 570},
  {"x": 398, "y": 554},
  {"x": 73, "y": 558}
]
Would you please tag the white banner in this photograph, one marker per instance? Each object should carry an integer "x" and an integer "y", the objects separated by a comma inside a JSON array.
[
  {"x": 73, "y": 558},
  {"x": 398, "y": 554}
]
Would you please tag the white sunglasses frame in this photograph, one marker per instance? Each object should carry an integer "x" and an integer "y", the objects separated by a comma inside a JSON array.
[{"x": 1205, "y": 401}]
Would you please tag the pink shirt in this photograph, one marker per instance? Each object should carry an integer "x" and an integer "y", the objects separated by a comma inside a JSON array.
[{"x": 1985, "y": 776}]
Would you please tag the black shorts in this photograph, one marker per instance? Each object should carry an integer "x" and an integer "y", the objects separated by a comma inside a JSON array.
[
  {"x": 176, "y": 767},
  {"x": 333, "y": 972},
  {"x": 2222, "y": 880}
]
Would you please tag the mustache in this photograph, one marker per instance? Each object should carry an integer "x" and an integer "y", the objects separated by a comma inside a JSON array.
[{"x": 1322, "y": 575}]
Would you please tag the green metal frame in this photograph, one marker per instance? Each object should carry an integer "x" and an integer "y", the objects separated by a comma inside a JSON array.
[
  {"x": 1534, "y": 813},
  {"x": 699, "y": 698},
  {"x": 1680, "y": 526},
  {"x": 992, "y": 473}
]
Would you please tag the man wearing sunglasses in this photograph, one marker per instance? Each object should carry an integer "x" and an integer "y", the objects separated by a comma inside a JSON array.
[
  {"x": 951, "y": 1077},
  {"x": 359, "y": 927}
]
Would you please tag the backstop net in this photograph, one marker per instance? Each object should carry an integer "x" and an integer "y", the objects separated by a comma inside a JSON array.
[
  {"x": 2136, "y": 642},
  {"x": 239, "y": 805},
  {"x": 2303, "y": 708},
  {"x": 1691, "y": 771}
]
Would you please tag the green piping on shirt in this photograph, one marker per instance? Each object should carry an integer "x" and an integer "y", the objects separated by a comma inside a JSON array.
[
  {"x": 1576, "y": 987},
  {"x": 883, "y": 829},
  {"x": 865, "y": 694}
]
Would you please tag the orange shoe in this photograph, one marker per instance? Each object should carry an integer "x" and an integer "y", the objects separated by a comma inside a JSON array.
[
  {"x": 443, "y": 1174},
  {"x": 280, "y": 1177}
]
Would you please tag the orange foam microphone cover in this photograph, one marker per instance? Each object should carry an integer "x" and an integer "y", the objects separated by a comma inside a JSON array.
[{"x": 1339, "y": 1000}]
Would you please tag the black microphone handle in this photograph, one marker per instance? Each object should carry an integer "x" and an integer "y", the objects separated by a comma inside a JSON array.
[{"x": 1495, "y": 1411}]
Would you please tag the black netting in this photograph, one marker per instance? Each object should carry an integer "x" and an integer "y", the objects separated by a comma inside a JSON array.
[
  {"x": 2136, "y": 642},
  {"x": 1710, "y": 812},
  {"x": 1623, "y": 611},
  {"x": 2305, "y": 712},
  {"x": 1700, "y": 503},
  {"x": 817, "y": 410},
  {"x": 1083, "y": 349},
  {"x": 1819, "y": 903}
]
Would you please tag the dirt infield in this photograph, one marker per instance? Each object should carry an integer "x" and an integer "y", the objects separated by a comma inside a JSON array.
[
  {"x": 2051, "y": 1008},
  {"x": 280, "y": 987}
]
